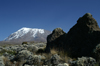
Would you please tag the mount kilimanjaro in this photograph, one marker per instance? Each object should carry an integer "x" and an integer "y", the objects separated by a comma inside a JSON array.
[{"x": 28, "y": 34}]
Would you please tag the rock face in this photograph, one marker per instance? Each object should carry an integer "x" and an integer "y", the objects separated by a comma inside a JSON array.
[
  {"x": 81, "y": 38},
  {"x": 55, "y": 39},
  {"x": 87, "y": 21},
  {"x": 55, "y": 34}
]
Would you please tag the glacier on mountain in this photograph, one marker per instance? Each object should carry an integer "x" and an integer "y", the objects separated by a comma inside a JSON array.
[{"x": 21, "y": 32}]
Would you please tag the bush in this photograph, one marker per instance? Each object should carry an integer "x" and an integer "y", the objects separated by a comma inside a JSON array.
[
  {"x": 41, "y": 50},
  {"x": 8, "y": 51},
  {"x": 84, "y": 61},
  {"x": 97, "y": 52},
  {"x": 24, "y": 43}
]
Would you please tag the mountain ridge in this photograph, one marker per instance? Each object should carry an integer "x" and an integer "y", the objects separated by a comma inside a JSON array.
[{"x": 28, "y": 34}]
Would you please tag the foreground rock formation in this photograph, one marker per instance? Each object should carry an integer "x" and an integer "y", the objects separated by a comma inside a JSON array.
[
  {"x": 55, "y": 39},
  {"x": 81, "y": 39}
]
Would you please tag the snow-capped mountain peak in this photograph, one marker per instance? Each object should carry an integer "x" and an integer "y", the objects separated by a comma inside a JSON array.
[
  {"x": 29, "y": 32},
  {"x": 25, "y": 30}
]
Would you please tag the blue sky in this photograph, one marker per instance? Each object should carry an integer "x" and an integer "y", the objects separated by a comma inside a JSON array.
[{"x": 45, "y": 14}]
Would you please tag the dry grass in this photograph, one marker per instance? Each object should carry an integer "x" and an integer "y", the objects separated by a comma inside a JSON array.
[
  {"x": 18, "y": 64},
  {"x": 53, "y": 51},
  {"x": 7, "y": 62},
  {"x": 63, "y": 55}
]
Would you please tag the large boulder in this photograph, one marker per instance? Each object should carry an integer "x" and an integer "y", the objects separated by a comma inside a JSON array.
[{"x": 55, "y": 39}]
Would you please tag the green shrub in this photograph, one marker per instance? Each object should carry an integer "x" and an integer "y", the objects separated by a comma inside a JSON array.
[{"x": 8, "y": 51}]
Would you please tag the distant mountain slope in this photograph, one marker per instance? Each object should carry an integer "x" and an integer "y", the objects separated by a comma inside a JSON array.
[
  {"x": 8, "y": 43},
  {"x": 28, "y": 34}
]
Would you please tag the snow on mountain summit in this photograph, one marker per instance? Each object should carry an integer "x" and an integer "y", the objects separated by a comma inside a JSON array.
[{"x": 23, "y": 31}]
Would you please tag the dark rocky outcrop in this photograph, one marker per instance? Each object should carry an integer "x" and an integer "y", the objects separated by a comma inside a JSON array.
[
  {"x": 55, "y": 39},
  {"x": 81, "y": 38}
]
